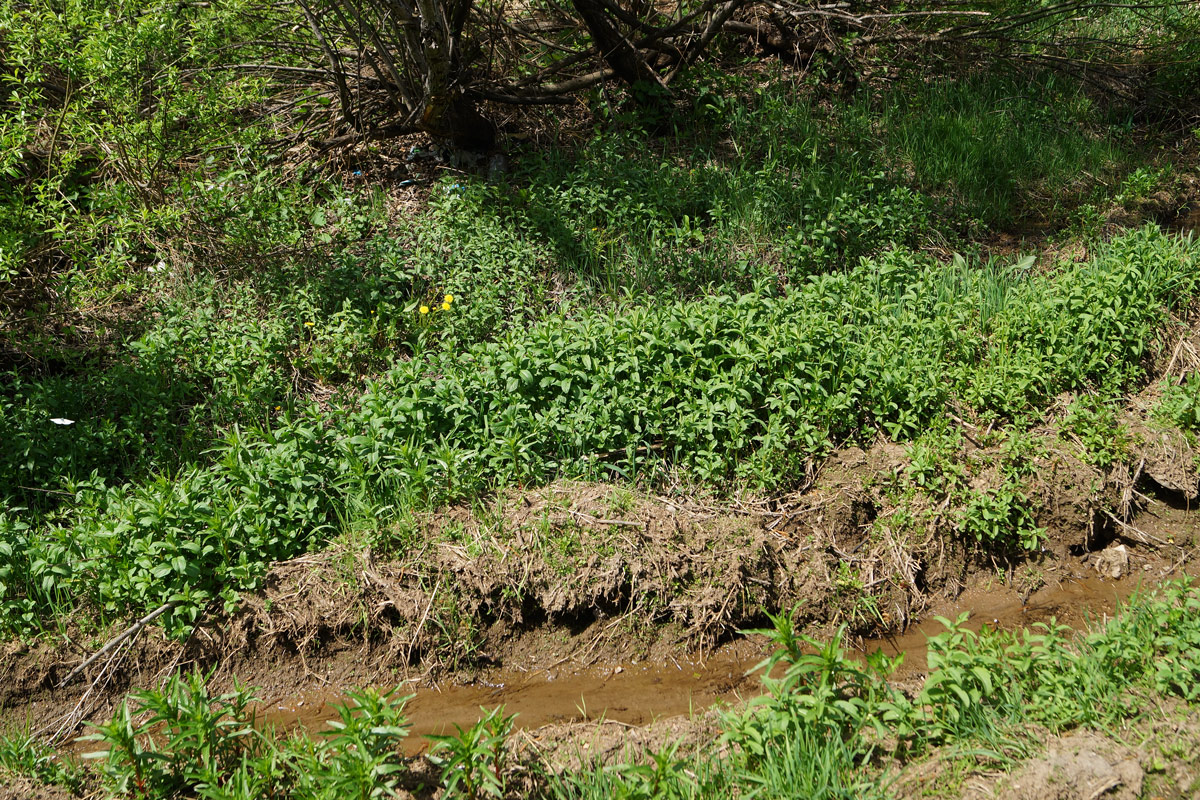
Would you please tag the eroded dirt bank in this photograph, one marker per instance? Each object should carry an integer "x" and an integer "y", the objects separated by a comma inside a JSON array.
[{"x": 637, "y": 693}]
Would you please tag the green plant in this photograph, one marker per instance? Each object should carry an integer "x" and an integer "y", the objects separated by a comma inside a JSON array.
[
  {"x": 22, "y": 754},
  {"x": 473, "y": 762},
  {"x": 933, "y": 462},
  {"x": 1180, "y": 404},
  {"x": 772, "y": 382},
  {"x": 1105, "y": 441},
  {"x": 1140, "y": 183},
  {"x": 176, "y": 739},
  {"x": 664, "y": 775},
  {"x": 360, "y": 757},
  {"x": 1003, "y": 517}
]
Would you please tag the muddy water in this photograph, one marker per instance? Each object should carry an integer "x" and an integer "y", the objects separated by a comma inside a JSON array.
[
  {"x": 1076, "y": 602},
  {"x": 639, "y": 693},
  {"x": 633, "y": 693}
]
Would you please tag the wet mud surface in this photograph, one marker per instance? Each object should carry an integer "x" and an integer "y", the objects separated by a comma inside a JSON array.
[
  {"x": 631, "y": 694},
  {"x": 636, "y": 694}
]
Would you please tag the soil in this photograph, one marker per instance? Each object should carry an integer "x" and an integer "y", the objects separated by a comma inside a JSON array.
[
  {"x": 1083, "y": 765},
  {"x": 19, "y": 787},
  {"x": 1187, "y": 222},
  {"x": 1151, "y": 760}
]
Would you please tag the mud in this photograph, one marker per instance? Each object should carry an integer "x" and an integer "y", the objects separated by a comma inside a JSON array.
[
  {"x": 637, "y": 694},
  {"x": 633, "y": 694}
]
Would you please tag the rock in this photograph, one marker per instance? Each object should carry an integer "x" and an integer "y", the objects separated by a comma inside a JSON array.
[{"x": 1113, "y": 562}]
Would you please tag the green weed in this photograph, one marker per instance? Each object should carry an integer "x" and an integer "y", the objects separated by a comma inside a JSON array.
[
  {"x": 182, "y": 741},
  {"x": 1180, "y": 404},
  {"x": 1105, "y": 441},
  {"x": 25, "y": 755},
  {"x": 473, "y": 761},
  {"x": 771, "y": 381}
]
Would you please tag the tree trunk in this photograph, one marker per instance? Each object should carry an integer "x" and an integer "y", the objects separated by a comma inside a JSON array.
[{"x": 618, "y": 52}]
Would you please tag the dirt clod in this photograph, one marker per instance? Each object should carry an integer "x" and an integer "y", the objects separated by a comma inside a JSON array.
[{"x": 1083, "y": 766}]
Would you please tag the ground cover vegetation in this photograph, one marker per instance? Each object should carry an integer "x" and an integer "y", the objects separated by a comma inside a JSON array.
[
  {"x": 239, "y": 321},
  {"x": 768, "y": 384}
]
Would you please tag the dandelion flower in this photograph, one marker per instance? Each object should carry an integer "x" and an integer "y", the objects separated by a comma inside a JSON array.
[
  {"x": 310, "y": 324},
  {"x": 449, "y": 298},
  {"x": 424, "y": 309},
  {"x": 445, "y": 306}
]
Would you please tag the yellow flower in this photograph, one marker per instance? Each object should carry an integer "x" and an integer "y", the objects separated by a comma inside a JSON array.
[
  {"x": 276, "y": 408},
  {"x": 424, "y": 309},
  {"x": 310, "y": 324},
  {"x": 449, "y": 298},
  {"x": 445, "y": 306}
]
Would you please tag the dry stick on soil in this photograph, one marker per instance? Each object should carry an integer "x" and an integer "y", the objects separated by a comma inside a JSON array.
[
  {"x": 132, "y": 630},
  {"x": 165, "y": 673},
  {"x": 72, "y": 718},
  {"x": 588, "y": 518},
  {"x": 424, "y": 618},
  {"x": 1111, "y": 783},
  {"x": 1128, "y": 492},
  {"x": 1145, "y": 537},
  {"x": 1194, "y": 359},
  {"x": 1182, "y": 559}
]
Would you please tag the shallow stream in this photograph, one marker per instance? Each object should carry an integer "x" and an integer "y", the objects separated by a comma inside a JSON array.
[{"x": 638, "y": 693}]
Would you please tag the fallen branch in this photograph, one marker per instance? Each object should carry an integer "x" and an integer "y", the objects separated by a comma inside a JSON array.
[
  {"x": 132, "y": 630},
  {"x": 1139, "y": 535}
]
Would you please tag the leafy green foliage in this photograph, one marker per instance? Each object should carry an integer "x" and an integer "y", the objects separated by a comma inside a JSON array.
[
  {"x": 1044, "y": 676},
  {"x": 203, "y": 739},
  {"x": 728, "y": 295},
  {"x": 25, "y": 755},
  {"x": 731, "y": 388},
  {"x": 473, "y": 760},
  {"x": 1180, "y": 405},
  {"x": 1105, "y": 441},
  {"x": 986, "y": 497},
  {"x": 359, "y": 759},
  {"x": 1003, "y": 517},
  {"x": 180, "y": 741}
]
